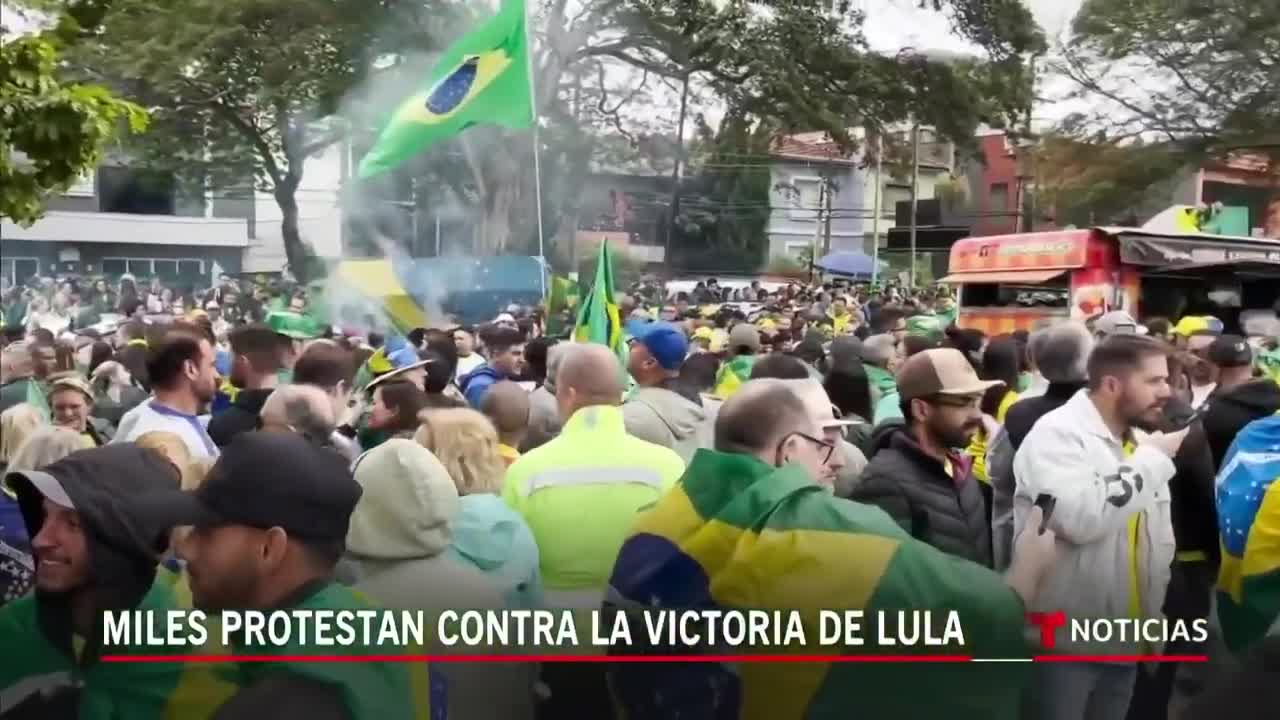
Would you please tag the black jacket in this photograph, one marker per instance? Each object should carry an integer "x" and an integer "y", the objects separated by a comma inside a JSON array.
[
  {"x": 1195, "y": 515},
  {"x": 1230, "y": 410},
  {"x": 241, "y": 417},
  {"x": 1022, "y": 415},
  {"x": 917, "y": 493}
]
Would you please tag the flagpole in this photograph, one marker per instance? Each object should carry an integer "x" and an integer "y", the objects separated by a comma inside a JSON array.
[{"x": 537, "y": 163}]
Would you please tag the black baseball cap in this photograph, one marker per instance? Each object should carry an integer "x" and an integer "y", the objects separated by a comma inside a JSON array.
[
  {"x": 267, "y": 479},
  {"x": 1229, "y": 351}
]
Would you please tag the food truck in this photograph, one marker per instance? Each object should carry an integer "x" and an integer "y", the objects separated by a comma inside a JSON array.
[{"x": 1014, "y": 282}]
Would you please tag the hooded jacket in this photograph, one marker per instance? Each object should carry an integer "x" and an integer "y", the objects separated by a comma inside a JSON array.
[
  {"x": 398, "y": 549},
  {"x": 494, "y": 539},
  {"x": 241, "y": 417},
  {"x": 945, "y": 510},
  {"x": 885, "y": 401},
  {"x": 670, "y": 416},
  {"x": 1230, "y": 410},
  {"x": 124, "y": 541},
  {"x": 476, "y": 383}
]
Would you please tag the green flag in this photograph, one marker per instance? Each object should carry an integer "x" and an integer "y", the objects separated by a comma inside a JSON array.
[
  {"x": 598, "y": 320},
  {"x": 482, "y": 78}
]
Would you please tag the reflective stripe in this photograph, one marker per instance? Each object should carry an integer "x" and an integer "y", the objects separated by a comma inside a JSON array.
[
  {"x": 592, "y": 476},
  {"x": 1191, "y": 556}
]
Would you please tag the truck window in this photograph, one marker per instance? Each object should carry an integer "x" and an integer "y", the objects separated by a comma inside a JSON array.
[{"x": 982, "y": 295}]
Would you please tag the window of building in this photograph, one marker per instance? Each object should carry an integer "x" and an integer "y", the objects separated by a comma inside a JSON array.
[
  {"x": 999, "y": 197},
  {"x": 805, "y": 198},
  {"x": 19, "y": 269},
  {"x": 163, "y": 268},
  {"x": 136, "y": 191}
]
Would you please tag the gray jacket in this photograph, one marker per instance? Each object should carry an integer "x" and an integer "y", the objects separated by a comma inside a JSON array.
[{"x": 667, "y": 418}]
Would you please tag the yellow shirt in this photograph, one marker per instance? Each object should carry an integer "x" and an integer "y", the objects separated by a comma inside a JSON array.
[{"x": 978, "y": 445}]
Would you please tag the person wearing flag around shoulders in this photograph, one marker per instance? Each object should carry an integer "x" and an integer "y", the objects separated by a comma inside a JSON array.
[
  {"x": 749, "y": 526},
  {"x": 96, "y": 543},
  {"x": 275, "y": 546}
]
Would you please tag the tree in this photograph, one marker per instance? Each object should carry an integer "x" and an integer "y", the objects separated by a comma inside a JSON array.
[
  {"x": 242, "y": 92},
  {"x": 1203, "y": 77},
  {"x": 1087, "y": 183},
  {"x": 51, "y": 131},
  {"x": 800, "y": 66}
]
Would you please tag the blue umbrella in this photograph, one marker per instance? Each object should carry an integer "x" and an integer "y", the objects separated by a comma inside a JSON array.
[{"x": 850, "y": 263}]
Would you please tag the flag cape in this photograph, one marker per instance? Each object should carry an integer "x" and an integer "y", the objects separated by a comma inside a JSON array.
[
  {"x": 598, "y": 319},
  {"x": 732, "y": 374},
  {"x": 1248, "y": 499},
  {"x": 736, "y": 533},
  {"x": 481, "y": 78}
]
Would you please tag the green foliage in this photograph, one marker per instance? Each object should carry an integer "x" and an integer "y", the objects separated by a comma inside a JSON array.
[
  {"x": 1202, "y": 75},
  {"x": 1085, "y": 183},
  {"x": 786, "y": 265},
  {"x": 51, "y": 131},
  {"x": 242, "y": 92}
]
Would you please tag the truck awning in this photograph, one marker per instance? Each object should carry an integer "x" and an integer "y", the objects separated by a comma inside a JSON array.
[{"x": 1003, "y": 277}]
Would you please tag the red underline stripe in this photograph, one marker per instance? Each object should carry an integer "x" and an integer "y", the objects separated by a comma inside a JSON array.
[{"x": 627, "y": 658}]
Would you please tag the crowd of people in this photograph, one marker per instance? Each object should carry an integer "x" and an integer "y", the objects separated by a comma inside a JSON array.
[{"x": 808, "y": 447}]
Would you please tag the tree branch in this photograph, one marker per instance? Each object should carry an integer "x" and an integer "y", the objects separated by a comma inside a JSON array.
[{"x": 255, "y": 138}]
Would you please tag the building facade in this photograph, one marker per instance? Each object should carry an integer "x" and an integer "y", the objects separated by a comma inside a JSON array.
[
  {"x": 814, "y": 184},
  {"x": 121, "y": 219}
]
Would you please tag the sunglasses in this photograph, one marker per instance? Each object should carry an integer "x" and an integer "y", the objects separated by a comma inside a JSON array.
[{"x": 827, "y": 447}]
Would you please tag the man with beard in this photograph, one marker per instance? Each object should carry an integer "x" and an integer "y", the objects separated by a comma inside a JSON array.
[
  {"x": 183, "y": 381},
  {"x": 255, "y": 367},
  {"x": 663, "y": 410},
  {"x": 95, "y": 543},
  {"x": 1110, "y": 484},
  {"x": 274, "y": 545},
  {"x": 916, "y": 473}
]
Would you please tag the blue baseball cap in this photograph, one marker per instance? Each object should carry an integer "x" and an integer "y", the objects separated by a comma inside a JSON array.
[{"x": 664, "y": 341}]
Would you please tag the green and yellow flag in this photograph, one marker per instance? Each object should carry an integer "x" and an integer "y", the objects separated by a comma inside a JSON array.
[
  {"x": 598, "y": 319},
  {"x": 482, "y": 78}
]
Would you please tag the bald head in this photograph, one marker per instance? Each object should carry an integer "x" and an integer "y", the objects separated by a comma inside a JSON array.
[
  {"x": 589, "y": 375},
  {"x": 303, "y": 409},
  {"x": 506, "y": 404},
  {"x": 758, "y": 416}
]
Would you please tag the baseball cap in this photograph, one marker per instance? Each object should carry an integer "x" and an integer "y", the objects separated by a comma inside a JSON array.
[
  {"x": 1118, "y": 322},
  {"x": 98, "y": 480},
  {"x": 71, "y": 382},
  {"x": 941, "y": 371},
  {"x": 744, "y": 334},
  {"x": 664, "y": 342},
  {"x": 1229, "y": 351},
  {"x": 267, "y": 479}
]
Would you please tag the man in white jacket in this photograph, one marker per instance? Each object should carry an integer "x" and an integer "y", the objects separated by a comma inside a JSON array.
[{"x": 1112, "y": 517}]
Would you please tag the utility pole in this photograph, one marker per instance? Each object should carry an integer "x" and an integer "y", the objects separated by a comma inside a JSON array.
[
  {"x": 875, "y": 218},
  {"x": 915, "y": 198},
  {"x": 826, "y": 222},
  {"x": 817, "y": 225}
]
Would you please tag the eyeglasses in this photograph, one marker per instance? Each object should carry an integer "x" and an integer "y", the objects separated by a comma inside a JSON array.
[
  {"x": 956, "y": 401},
  {"x": 827, "y": 447}
]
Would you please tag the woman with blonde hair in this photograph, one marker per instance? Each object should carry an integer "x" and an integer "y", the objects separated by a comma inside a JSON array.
[
  {"x": 175, "y": 450},
  {"x": 487, "y": 533},
  {"x": 16, "y": 425}
]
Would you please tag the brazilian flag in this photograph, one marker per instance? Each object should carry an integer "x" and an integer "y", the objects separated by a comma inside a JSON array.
[
  {"x": 482, "y": 78},
  {"x": 598, "y": 319},
  {"x": 739, "y": 534}
]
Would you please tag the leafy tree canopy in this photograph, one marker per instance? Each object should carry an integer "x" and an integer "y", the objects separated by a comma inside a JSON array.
[
  {"x": 51, "y": 131},
  {"x": 1204, "y": 76}
]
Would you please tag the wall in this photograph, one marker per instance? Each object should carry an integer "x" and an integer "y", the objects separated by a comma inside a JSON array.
[
  {"x": 999, "y": 166},
  {"x": 794, "y": 219},
  {"x": 319, "y": 214}
]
